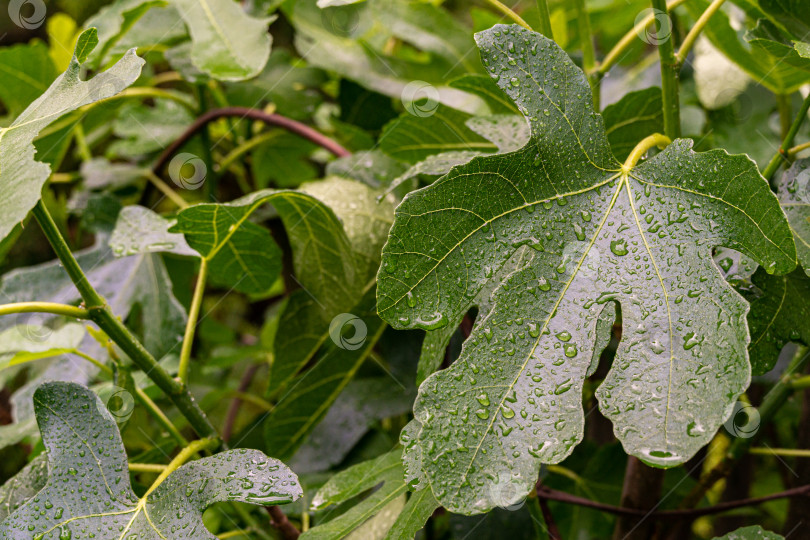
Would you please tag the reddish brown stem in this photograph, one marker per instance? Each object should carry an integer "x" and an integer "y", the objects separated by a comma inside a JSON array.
[
  {"x": 551, "y": 525},
  {"x": 280, "y": 522},
  {"x": 554, "y": 495},
  {"x": 236, "y": 403},
  {"x": 289, "y": 124}
]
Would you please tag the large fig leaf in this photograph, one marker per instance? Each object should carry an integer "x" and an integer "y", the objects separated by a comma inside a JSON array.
[
  {"x": 226, "y": 43},
  {"x": 21, "y": 176},
  {"x": 599, "y": 233},
  {"x": 88, "y": 493}
]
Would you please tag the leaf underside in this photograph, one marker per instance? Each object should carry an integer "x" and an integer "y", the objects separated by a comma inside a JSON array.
[{"x": 596, "y": 234}]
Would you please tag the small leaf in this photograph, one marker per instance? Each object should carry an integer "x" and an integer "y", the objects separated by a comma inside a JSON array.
[
  {"x": 88, "y": 489},
  {"x": 595, "y": 233},
  {"x": 85, "y": 44},
  {"x": 21, "y": 176}
]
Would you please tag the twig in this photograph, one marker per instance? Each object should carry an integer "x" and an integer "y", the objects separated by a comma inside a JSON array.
[
  {"x": 255, "y": 114},
  {"x": 693, "y": 34},
  {"x": 559, "y": 496},
  {"x": 503, "y": 8},
  {"x": 553, "y": 530},
  {"x": 236, "y": 403},
  {"x": 788, "y": 141},
  {"x": 280, "y": 522}
]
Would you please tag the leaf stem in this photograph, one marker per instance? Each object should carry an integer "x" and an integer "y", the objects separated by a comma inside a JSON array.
[
  {"x": 288, "y": 124},
  {"x": 670, "y": 73},
  {"x": 771, "y": 403},
  {"x": 147, "y": 467},
  {"x": 624, "y": 43},
  {"x": 162, "y": 419},
  {"x": 545, "y": 19},
  {"x": 656, "y": 139},
  {"x": 99, "y": 365},
  {"x": 785, "y": 452},
  {"x": 503, "y": 8},
  {"x": 191, "y": 324},
  {"x": 45, "y": 307},
  {"x": 787, "y": 141},
  {"x": 184, "y": 455},
  {"x": 165, "y": 189},
  {"x": 798, "y": 148},
  {"x": 694, "y": 32},
  {"x": 102, "y": 315},
  {"x": 679, "y": 514}
]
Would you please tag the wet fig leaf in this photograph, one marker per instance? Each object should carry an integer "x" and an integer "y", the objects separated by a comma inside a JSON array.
[
  {"x": 21, "y": 176},
  {"x": 794, "y": 196},
  {"x": 334, "y": 258},
  {"x": 139, "y": 230},
  {"x": 352, "y": 482},
  {"x": 312, "y": 393},
  {"x": 597, "y": 233},
  {"x": 754, "y": 532},
  {"x": 226, "y": 43},
  {"x": 88, "y": 492},
  {"x": 780, "y": 312},
  {"x": 23, "y": 485}
]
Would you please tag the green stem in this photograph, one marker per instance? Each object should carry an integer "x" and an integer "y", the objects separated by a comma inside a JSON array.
[
  {"x": 102, "y": 315},
  {"x": 784, "y": 452},
  {"x": 798, "y": 148},
  {"x": 191, "y": 324},
  {"x": 773, "y": 400},
  {"x": 158, "y": 414},
  {"x": 783, "y": 108},
  {"x": 81, "y": 144},
  {"x": 670, "y": 72},
  {"x": 539, "y": 522},
  {"x": 503, "y": 8},
  {"x": 164, "y": 188},
  {"x": 588, "y": 54},
  {"x": 700, "y": 24},
  {"x": 787, "y": 141},
  {"x": 147, "y": 467},
  {"x": 99, "y": 365},
  {"x": 244, "y": 148},
  {"x": 252, "y": 522},
  {"x": 45, "y": 307},
  {"x": 614, "y": 55},
  {"x": 545, "y": 19}
]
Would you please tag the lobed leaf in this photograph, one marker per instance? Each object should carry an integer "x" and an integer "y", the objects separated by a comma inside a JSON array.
[
  {"x": 21, "y": 176},
  {"x": 597, "y": 233},
  {"x": 88, "y": 492}
]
